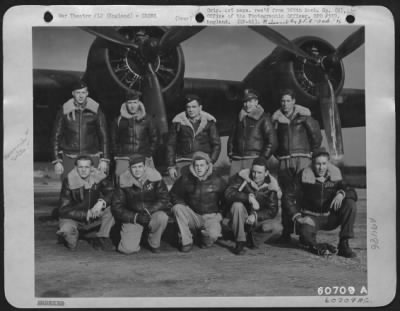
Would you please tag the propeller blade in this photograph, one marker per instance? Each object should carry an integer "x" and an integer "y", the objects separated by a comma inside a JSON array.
[
  {"x": 352, "y": 43},
  {"x": 153, "y": 99},
  {"x": 331, "y": 121},
  {"x": 110, "y": 34},
  {"x": 282, "y": 41},
  {"x": 176, "y": 35}
]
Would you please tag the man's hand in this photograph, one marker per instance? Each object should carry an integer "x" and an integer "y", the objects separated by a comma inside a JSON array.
[
  {"x": 172, "y": 172},
  {"x": 149, "y": 162},
  {"x": 337, "y": 202},
  {"x": 103, "y": 166},
  {"x": 97, "y": 209},
  {"x": 89, "y": 215},
  {"x": 251, "y": 219},
  {"x": 58, "y": 168},
  {"x": 254, "y": 203},
  {"x": 143, "y": 219}
]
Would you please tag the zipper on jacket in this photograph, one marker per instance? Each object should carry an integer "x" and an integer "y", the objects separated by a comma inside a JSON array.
[
  {"x": 322, "y": 196},
  {"x": 89, "y": 197},
  {"x": 80, "y": 130},
  {"x": 201, "y": 192},
  {"x": 142, "y": 197},
  {"x": 290, "y": 138},
  {"x": 133, "y": 131},
  {"x": 194, "y": 137},
  {"x": 243, "y": 144}
]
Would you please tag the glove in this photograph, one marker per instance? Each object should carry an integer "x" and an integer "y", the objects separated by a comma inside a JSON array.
[
  {"x": 143, "y": 219},
  {"x": 172, "y": 172},
  {"x": 323, "y": 249},
  {"x": 58, "y": 168},
  {"x": 98, "y": 208},
  {"x": 103, "y": 166}
]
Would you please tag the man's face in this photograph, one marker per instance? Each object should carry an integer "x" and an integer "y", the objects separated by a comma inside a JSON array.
[
  {"x": 84, "y": 168},
  {"x": 250, "y": 105},
  {"x": 138, "y": 170},
  {"x": 132, "y": 106},
  {"x": 200, "y": 167},
  {"x": 193, "y": 109},
  {"x": 258, "y": 173},
  {"x": 287, "y": 104},
  {"x": 80, "y": 95},
  {"x": 320, "y": 165}
]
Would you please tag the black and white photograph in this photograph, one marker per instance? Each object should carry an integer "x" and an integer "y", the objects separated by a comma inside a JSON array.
[{"x": 175, "y": 161}]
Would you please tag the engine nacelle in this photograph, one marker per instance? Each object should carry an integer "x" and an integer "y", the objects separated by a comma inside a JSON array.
[
  {"x": 281, "y": 69},
  {"x": 112, "y": 69}
]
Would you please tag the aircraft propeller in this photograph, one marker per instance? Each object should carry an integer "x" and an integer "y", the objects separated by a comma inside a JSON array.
[
  {"x": 176, "y": 35},
  {"x": 326, "y": 94},
  {"x": 149, "y": 48},
  {"x": 110, "y": 34}
]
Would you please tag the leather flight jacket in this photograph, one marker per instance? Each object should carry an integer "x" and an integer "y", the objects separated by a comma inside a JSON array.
[
  {"x": 129, "y": 136},
  {"x": 184, "y": 140},
  {"x": 80, "y": 131},
  {"x": 252, "y": 135},
  {"x": 132, "y": 196},
  {"x": 203, "y": 196},
  {"x": 314, "y": 197},
  {"x": 76, "y": 199}
]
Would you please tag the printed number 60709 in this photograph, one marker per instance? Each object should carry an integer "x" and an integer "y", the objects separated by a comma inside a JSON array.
[{"x": 336, "y": 290}]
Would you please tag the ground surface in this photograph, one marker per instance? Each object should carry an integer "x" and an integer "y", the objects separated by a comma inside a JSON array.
[{"x": 270, "y": 270}]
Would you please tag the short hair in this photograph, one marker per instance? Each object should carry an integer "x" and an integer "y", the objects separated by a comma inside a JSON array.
[
  {"x": 260, "y": 161},
  {"x": 318, "y": 152},
  {"x": 83, "y": 157},
  {"x": 289, "y": 92}
]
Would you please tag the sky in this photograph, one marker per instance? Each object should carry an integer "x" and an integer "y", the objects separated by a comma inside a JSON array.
[{"x": 227, "y": 53}]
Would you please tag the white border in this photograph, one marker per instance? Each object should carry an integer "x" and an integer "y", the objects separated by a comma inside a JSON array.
[{"x": 18, "y": 192}]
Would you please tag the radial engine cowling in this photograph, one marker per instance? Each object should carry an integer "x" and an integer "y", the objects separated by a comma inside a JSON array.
[{"x": 113, "y": 69}]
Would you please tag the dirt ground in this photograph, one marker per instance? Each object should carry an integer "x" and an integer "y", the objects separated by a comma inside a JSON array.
[{"x": 270, "y": 270}]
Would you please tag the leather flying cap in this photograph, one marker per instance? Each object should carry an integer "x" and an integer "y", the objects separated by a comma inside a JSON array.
[
  {"x": 132, "y": 95},
  {"x": 199, "y": 155},
  {"x": 136, "y": 158},
  {"x": 320, "y": 151},
  {"x": 77, "y": 85},
  {"x": 249, "y": 94}
]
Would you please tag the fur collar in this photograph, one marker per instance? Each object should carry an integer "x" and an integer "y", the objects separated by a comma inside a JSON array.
[
  {"x": 139, "y": 115},
  {"x": 270, "y": 182},
  {"x": 255, "y": 114},
  {"x": 69, "y": 106},
  {"x": 333, "y": 174},
  {"x": 279, "y": 117},
  {"x": 205, "y": 117},
  {"x": 127, "y": 180},
  {"x": 208, "y": 173},
  {"x": 75, "y": 181}
]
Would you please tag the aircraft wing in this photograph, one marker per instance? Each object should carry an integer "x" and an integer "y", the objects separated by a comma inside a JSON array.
[
  {"x": 49, "y": 79},
  {"x": 351, "y": 104},
  {"x": 51, "y": 88}
]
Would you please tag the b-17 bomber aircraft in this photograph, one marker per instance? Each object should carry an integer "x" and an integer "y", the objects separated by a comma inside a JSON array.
[{"x": 151, "y": 60}]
